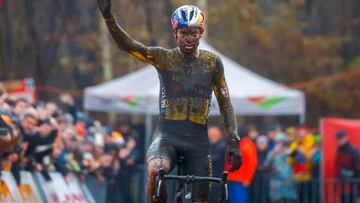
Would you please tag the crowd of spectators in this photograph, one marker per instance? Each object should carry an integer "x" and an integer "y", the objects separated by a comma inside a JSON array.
[
  {"x": 54, "y": 136},
  {"x": 288, "y": 164},
  {"x": 43, "y": 137}
]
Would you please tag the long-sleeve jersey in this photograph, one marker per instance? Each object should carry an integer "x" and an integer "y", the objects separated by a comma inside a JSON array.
[{"x": 186, "y": 85}]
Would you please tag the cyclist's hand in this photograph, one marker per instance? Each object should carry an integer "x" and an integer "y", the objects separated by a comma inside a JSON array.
[
  {"x": 105, "y": 7},
  {"x": 233, "y": 155}
]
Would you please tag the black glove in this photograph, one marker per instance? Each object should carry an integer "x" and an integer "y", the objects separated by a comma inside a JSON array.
[
  {"x": 233, "y": 155},
  {"x": 105, "y": 7}
]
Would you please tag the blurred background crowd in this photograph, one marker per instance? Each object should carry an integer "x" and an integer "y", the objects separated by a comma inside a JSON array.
[
  {"x": 281, "y": 164},
  {"x": 43, "y": 137}
]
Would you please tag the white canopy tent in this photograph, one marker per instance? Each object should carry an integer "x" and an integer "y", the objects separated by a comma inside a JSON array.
[{"x": 251, "y": 94}]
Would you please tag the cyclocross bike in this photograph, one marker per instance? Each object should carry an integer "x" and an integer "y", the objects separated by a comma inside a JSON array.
[{"x": 185, "y": 182}]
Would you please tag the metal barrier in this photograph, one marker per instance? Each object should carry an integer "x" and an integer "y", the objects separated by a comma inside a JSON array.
[
  {"x": 345, "y": 191},
  {"x": 130, "y": 185},
  {"x": 313, "y": 191}
]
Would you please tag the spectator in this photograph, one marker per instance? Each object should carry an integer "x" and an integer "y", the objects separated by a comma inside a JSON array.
[
  {"x": 291, "y": 134},
  {"x": 8, "y": 135},
  {"x": 282, "y": 188},
  {"x": 240, "y": 180},
  {"x": 253, "y": 133},
  {"x": 300, "y": 160},
  {"x": 80, "y": 127},
  {"x": 69, "y": 103},
  {"x": 9, "y": 149},
  {"x": 271, "y": 134},
  {"x": 348, "y": 167},
  {"x": 41, "y": 145},
  {"x": 52, "y": 109},
  {"x": 128, "y": 155},
  {"x": 260, "y": 186},
  {"x": 315, "y": 154},
  {"x": 217, "y": 154},
  {"x": 28, "y": 125},
  {"x": 17, "y": 107}
]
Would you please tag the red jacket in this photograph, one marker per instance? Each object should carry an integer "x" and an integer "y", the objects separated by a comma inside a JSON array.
[{"x": 247, "y": 170}]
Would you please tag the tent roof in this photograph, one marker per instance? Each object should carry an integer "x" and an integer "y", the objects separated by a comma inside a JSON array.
[{"x": 244, "y": 86}]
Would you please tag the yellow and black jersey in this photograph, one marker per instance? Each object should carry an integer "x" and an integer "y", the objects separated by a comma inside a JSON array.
[{"x": 185, "y": 85}]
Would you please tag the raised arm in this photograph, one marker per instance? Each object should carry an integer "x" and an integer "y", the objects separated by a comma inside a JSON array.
[{"x": 151, "y": 55}]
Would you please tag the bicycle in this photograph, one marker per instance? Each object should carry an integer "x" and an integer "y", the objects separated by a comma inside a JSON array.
[{"x": 184, "y": 189}]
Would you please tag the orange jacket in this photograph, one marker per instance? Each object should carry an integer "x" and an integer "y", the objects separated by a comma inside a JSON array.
[{"x": 247, "y": 170}]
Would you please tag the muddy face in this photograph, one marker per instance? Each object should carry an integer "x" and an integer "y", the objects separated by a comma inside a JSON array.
[{"x": 188, "y": 39}]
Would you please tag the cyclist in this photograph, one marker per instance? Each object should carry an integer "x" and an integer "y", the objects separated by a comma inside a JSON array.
[{"x": 187, "y": 78}]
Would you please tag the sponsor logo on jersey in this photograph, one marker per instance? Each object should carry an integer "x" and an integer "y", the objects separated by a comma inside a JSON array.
[
  {"x": 224, "y": 92},
  {"x": 163, "y": 100}
]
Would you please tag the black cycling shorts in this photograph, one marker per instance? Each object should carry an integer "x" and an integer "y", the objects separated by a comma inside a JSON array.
[{"x": 190, "y": 141}]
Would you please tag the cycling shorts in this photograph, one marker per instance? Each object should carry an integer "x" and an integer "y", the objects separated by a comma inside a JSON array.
[{"x": 179, "y": 138}]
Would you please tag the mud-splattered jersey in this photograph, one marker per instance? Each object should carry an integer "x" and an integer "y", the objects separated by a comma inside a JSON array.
[{"x": 186, "y": 85}]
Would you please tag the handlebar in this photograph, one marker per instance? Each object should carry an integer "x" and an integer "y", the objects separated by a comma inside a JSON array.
[{"x": 190, "y": 179}]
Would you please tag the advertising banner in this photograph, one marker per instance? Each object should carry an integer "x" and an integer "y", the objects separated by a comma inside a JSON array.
[
  {"x": 76, "y": 194},
  {"x": 60, "y": 191},
  {"x": 48, "y": 188},
  {"x": 27, "y": 188},
  {"x": 329, "y": 127},
  {"x": 21, "y": 88},
  {"x": 9, "y": 192}
]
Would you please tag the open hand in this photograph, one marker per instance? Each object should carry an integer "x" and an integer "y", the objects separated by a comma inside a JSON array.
[{"x": 105, "y": 7}]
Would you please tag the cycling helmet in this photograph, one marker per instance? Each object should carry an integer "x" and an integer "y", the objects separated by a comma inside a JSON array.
[{"x": 187, "y": 16}]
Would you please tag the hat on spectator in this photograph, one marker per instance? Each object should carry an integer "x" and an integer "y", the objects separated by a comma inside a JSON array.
[
  {"x": 262, "y": 139},
  {"x": 117, "y": 137},
  {"x": 88, "y": 156},
  {"x": 7, "y": 120},
  {"x": 290, "y": 131},
  {"x": 340, "y": 134},
  {"x": 281, "y": 137}
]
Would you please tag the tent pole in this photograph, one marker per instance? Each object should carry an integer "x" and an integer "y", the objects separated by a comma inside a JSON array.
[{"x": 302, "y": 119}]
